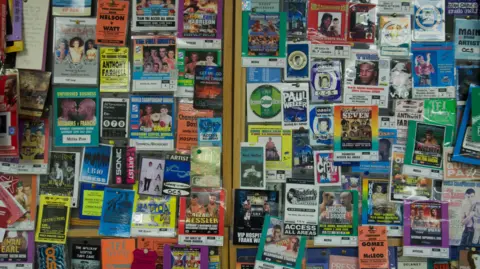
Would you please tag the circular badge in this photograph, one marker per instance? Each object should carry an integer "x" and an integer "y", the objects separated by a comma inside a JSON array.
[
  {"x": 297, "y": 60},
  {"x": 428, "y": 17},
  {"x": 266, "y": 101},
  {"x": 395, "y": 34}
]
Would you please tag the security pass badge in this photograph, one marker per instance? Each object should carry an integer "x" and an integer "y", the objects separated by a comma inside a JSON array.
[{"x": 298, "y": 63}]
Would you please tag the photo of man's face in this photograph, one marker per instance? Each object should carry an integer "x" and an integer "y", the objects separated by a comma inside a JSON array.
[
  {"x": 367, "y": 73},
  {"x": 325, "y": 82}
]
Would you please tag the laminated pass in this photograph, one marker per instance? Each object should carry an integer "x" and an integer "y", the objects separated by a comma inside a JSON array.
[
  {"x": 367, "y": 78},
  {"x": 53, "y": 230}
]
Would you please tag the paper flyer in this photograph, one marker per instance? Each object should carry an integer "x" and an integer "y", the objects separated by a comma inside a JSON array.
[
  {"x": 187, "y": 125},
  {"x": 91, "y": 201},
  {"x": 96, "y": 164},
  {"x": 373, "y": 247},
  {"x": 53, "y": 219},
  {"x": 200, "y": 20},
  {"x": 112, "y": 23},
  {"x": 187, "y": 61},
  {"x": 151, "y": 16},
  {"x": 114, "y": 118},
  {"x": 117, "y": 252},
  {"x": 114, "y": 69},
  {"x": 301, "y": 207}
]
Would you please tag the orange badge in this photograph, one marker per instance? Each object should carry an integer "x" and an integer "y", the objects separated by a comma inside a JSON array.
[
  {"x": 187, "y": 130},
  {"x": 112, "y": 21},
  {"x": 373, "y": 247}
]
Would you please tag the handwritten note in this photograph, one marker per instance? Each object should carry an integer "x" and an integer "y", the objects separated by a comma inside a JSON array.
[{"x": 35, "y": 30}]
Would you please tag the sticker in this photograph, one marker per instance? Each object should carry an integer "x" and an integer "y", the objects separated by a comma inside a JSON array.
[
  {"x": 112, "y": 22},
  {"x": 429, "y": 20},
  {"x": 426, "y": 229},
  {"x": 198, "y": 20},
  {"x": 433, "y": 73},
  {"x": 187, "y": 121},
  {"x": 252, "y": 166},
  {"x": 154, "y": 63},
  {"x": 114, "y": 118},
  {"x": 373, "y": 247},
  {"x": 117, "y": 211},
  {"x": 361, "y": 23},
  {"x": 356, "y": 133},
  {"x": 326, "y": 173},
  {"x": 34, "y": 87},
  {"x": 251, "y": 207},
  {"x": 114, "y": 70},
  {"x": 96, "y": 162},
  {"x": 391, "y": 7},
  {"x": 327, "y": 22},
  {"x": 278, "y": 250},
  {"x": 264, "y": 102},
  {"x": 298, "y": 62},
  {"x": 72, "y": 8},
  {"x": 321, "y": 125},
  {"x": 338, "y": 222},
  {"x": 75, "y": 52},
  {"x": 210, "y": 132},
  {"x": 400, "y": 79},
  {"x": 264, "y": 39},
  {"x": 53, "y": 230},
  {"x": 301, "y": 208},
  {"x": 75, "y": 117},
  {"x": 278, "y": 148},
  {"x": 462, "y": 7},
  {"x": 34, "y": 146},
  {"x": 297, "y": 18},
  {"x": 424, "y": 152},
  {"x": 377, "y": 210},
  {"x": 63, "y": 179},
  {"x": 176, "y": 177},
  {"x": 208, "y": 92},
  {"x": 326, "y": 81},
  {"x": 367, "y": 77},
  {"x": 330, "y": 51},
  {"x": 147, "y": 16},
  {"x": 295, "y": 110},
  {"x": 151, "y": 176},
  {"x": 151, "y": 123},
  {"x": 467, "y": 40},
  {"x": 202, "y": 217},
  {"x": 86, "y": 255},
  {"x": 205, "y": 166},
  {"x": 395, "y": 34}
]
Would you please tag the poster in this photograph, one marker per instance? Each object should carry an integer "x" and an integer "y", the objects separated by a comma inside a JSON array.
[
  {"x": 373, "y": 247},
  {"x": 75, "y": 52},
  {"x": 114, "y": 70},
  {"x": 252, "y": 166},
  {"x": 115, "y": 114},
  {"x": 356, "y": 133},
  {"x": 72, "y": 8},
  {"x": 467, "y": 40},
  {"x": 301, "y": 207},
  {"x": 251, "y": 207},
  {"x": 200, "y": 20},
  {"x": 367, "y": 79},
  {"x": 53, "y": 219},
  {"x": 210, "y": 132},
  {"x": 187, "y": 121},
  {"x": 326, "y": 81},
  {"x": 147, "y": 16},
  {"x": 177, "y": 256},
  {"x": 151, "y": 175},
  {"x": 151, "y": 122},
  {"x": 277, "y": 250},
  {"x": 117, "y": 211},
  {"x": 426, "y": 229},
  {"x": 278, "y": 148},
  {"x": 176, "y": 177},
  {"x": 96, "y": 164},
  {"x": 326, "y": 173},
  {"x": 85, "y": 256},
  {"x": 395, "y": 35},
  {"x": 429, "y": 22},
  {"x": 63, "y": 177},
  {"x": 187, "y": 61},
  {"x": 321, "y": 125},
  {"x": 264, "y": 102},
  {"x": 462, "y": 205},
  {"x": 264, "y": 39},
  {"x": 34, "y": 146},
  {"x": 153, "y": 216},
  {"x": 154, "y": 63},
  {"x": 34, "y": 87},
  {"x": 205, "y": 167},
  {"x": 338, "y": 220},
  {"x": 112, "y": 23},
  {"x": 377, "y": 210},
  {"x": 424, "y": 152},
  {"x": 327, "y": 22},
  {"x": 9, "y": 94},
  {"x": 75, "y": 113},
  {"x": 117, "y": 252},
  {"x": 91, "y": 201},
  {"x": 295, "y": 110},
  {"x": 201, "y": 219},
  {"x": 208, "y": 89}
]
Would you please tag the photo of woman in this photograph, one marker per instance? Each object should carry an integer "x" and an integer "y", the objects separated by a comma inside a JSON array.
[
  {"x": 76, "y": 49},
  {"x": 61, "y": 51}
]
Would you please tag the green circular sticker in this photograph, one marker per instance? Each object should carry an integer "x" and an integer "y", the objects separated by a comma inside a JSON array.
[{"x": 266, "y": 101}]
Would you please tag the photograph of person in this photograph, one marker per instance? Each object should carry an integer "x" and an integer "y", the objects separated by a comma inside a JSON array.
[
  {"x": 91, "y": 51},
  {"x": 330, "y": 23},
  {"x": 82, "y": 110},
  {"x": 367, "y": 73},
  {"x": 76, "y": 50},
  {"x": 155, "y": 116},
  {"x": 273, "y": 147},
  {"x": 158, "y": 59},
  {"x": 203, "y": 205},
  {"x": 151, "y": 176},
  {"x": 400, "y": 79},
  {"x": 424, "y": 70},
  {"x": 343, "y": 202},
  {"x": 61, "y": 50}
]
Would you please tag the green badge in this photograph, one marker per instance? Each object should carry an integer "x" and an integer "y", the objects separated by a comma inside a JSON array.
[{"x": 266, "y": 101}]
